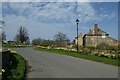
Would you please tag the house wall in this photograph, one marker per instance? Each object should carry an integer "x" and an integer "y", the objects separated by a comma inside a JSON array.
[
  {"x": 80, "y": 40},
  {"x": 96, "y": 40}
]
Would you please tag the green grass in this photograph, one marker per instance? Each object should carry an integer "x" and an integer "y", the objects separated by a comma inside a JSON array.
[
  {"x": 15, "y": 68},
  {"x": 84, "y": 56}
]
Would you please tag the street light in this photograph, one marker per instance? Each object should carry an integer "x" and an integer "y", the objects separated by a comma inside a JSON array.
[{"x": 77, "y": 21}]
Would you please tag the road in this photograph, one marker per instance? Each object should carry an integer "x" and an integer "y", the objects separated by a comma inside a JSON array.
[{"x": 51, "y": 65}]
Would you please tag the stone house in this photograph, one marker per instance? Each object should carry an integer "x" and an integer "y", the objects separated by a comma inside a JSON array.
[{"x": 94, "y": 37}]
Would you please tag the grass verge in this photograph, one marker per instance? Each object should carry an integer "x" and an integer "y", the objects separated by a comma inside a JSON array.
[
  {"x": 15, "y": 67},
  {"x": 84, "y": 56}
]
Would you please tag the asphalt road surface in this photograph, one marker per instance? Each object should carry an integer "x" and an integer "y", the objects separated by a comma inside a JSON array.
[{"x": 51, "y": 65}]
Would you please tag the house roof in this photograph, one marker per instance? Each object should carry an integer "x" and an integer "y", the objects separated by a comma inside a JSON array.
[{"x": 96, "y": 31}]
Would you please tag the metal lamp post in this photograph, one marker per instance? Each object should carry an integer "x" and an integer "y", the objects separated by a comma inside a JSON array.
[{"x": 77, "y": 21}]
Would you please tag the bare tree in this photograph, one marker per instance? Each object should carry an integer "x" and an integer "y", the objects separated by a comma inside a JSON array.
[
  {"x": 60, "y": 39},
  {"x": 2, "y": 24},
  {"x": 22, "y": 35},
  {"x": 3, "y": 36}
]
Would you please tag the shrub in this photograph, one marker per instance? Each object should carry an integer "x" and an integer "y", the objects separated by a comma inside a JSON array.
[
  {"x": 86, "y": 51},
  {"x": 102, "y": 54},
  {"x": 104, "y": 46},
  {"x": 96, "y": 53}
]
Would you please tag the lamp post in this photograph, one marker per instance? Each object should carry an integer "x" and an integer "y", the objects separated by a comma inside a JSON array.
[{"x": 77, "y": 21}]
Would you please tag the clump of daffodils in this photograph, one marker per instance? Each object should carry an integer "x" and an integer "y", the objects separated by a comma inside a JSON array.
[
  {"x": 42, "y": 47},
  {"x": 12, "y": 51},
  {"x": 108, "y": 55},
  {"x": 3, "y": 70}
]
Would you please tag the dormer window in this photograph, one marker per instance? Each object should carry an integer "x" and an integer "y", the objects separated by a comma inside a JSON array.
[{"x": 103, "y": 35}]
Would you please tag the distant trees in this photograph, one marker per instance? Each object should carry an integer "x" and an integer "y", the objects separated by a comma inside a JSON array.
[
  {"x": 48, "y": 43},
  {"x": 22, "y": 36},
  {"x": 37, "y": 41},
  {"x": 42, "y": 42},
  {"x": 61, "y": 39}
]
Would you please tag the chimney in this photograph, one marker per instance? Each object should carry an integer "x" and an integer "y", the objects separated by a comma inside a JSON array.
[{"x": 95, "y": 25}]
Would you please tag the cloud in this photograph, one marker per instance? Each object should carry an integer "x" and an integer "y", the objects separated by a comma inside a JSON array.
[
  {"x": 47, "y": 18},
  {"x": 65, "y": 12},
  {"x": 56, "y": 11},
  {"x": 113, "y": 15}
]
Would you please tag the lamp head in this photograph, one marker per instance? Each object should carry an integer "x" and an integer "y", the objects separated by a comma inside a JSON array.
[{"x": 77, "y": 20}]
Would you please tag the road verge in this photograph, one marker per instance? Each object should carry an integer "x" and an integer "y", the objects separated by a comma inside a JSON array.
[{"x": 14, "y": 65}]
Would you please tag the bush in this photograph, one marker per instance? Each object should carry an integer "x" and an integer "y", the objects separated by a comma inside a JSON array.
[
  {"x": 104, "y": 46},
  {"x": 86, "y": 51}
]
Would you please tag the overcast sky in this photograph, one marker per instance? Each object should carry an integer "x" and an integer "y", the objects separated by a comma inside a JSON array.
[{"x": 45, "y": 19}]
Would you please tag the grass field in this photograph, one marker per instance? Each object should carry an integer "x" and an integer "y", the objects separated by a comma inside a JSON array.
[
  {"x": 84, "y": 56},
  {"x": 15, "y": 67}
]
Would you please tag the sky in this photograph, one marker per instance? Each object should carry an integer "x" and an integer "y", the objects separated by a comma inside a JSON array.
[{"x": 45, "y": 19}]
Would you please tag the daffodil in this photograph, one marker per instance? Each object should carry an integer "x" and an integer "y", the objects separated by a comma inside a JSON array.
[
  {"x": 102, "y": 53},
  {"x": 9, "y": 49},
  {"x": 106, "y": 55},
  {"x": 12, "y": 51},
  {"x": 113, "y": 55},
  {"x": 109, "y": 56},
  {"x": 3, "y": 70}
]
